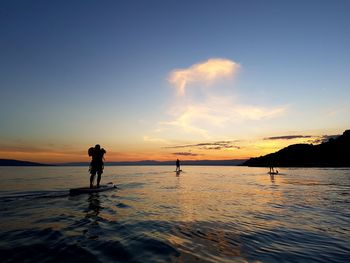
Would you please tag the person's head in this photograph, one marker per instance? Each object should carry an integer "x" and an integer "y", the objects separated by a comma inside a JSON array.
[{"x": 97, "y": 147}]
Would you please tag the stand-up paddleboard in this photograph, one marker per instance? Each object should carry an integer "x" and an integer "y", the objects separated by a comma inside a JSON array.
[
  {"x": 272, "y": 173},
  {"x": 178, "y": 171},
  {"x": 87, "y": 190}
]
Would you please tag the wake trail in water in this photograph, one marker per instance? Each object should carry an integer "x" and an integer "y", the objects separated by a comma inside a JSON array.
[{"x": 33, "y": 195}]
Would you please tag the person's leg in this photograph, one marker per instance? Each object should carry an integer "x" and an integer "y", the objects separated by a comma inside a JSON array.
[
  {"x": 92, "y": 177},
  {"x": 99, "y": 173}
]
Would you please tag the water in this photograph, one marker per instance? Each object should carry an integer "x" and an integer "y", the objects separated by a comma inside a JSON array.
[{"x": 206, "y": 214}]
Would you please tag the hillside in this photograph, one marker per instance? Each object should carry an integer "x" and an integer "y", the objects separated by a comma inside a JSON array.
[
  {"x": 10, "y": 162},
  {"x": 333, "y": 153}
]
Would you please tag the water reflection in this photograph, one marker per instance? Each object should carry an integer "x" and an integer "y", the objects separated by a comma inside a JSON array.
[
  {"x": 94, "y": 206},
  {"x": 93, "y": 230},
  {"x": 191, "y": 237},
  {"x": 207, "y": 214}
]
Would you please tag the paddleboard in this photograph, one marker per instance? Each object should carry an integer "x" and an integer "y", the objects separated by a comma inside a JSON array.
[
  {"x": 178, "y": 171},
  {"x": 272, "y": 173},
  {"x": 86, "y": 190}
]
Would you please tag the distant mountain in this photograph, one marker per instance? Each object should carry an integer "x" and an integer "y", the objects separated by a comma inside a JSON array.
[
  {"x": 333, "y": 153},
  {"x": 199, "y": 162},
  {"x": 9, "y": 162}
]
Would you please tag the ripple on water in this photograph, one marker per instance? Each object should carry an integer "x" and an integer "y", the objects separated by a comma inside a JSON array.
[
  {"x": 293, "y": 246},
  {"x": 122, "y": 205},
  {"x": 205, "y": 215}
]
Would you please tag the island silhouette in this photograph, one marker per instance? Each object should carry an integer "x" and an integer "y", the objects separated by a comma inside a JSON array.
[
  {"x": 333, "y": 153},
  {"x": 11, "y": 162}
]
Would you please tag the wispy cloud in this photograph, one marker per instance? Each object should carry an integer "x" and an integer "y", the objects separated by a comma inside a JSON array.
[
  {"x": 203, "y": 72},
  {"x": 206, "y": 112},
  {"x": 323, "y": 138},
  {"x": 184, "y": 121},
  {"x": 315, "y": 139},
  {"x": 45, "y": 152},
  {"x": 50, "y": 149},
  {"x": 335, "y": 112},
  {"x": 153, "y": 139},
  {"x": 186, "y": 154},
  {"x": 219, "y": 145},
  {"x": 288, "y": 137},
  {"x": 217, "y": 111}
]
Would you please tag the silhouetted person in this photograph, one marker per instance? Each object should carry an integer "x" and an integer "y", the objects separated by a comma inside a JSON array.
[
  {"x": 96, "y": 165},
  {"x": 271, "y": 167},
  {"x": 177, "y": 165}
]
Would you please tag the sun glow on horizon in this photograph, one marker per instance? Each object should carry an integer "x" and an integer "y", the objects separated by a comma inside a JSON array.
[{"x": 158, "y": 151}]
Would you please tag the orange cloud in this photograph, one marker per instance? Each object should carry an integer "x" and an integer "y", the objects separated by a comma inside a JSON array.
[{"x": 204, "y": 72}]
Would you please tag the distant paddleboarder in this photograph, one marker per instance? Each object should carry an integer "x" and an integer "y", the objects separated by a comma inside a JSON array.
[
  {"x": 178, "y": 165},
  {"x": 272, "y": 170},
  {"x": 96, "y": 166}
]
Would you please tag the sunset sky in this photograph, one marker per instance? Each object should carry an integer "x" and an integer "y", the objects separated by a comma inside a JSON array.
[{"x": 160, "y": 80}]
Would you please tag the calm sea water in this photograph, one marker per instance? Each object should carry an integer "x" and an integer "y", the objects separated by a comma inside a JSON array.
[{"x": 206, "y": 214}]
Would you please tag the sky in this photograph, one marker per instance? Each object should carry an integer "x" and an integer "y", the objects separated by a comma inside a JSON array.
[{"x": 160, "y": 80}]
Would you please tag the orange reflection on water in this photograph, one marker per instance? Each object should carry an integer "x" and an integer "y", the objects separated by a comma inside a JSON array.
[
  {"x": 213, "y": 194},
  {"x": 206, "y": 213}
]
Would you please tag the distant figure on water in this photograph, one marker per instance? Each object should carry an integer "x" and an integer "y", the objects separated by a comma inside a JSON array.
[
  {"x": 271, "y": 167},
  {"x": 178, "y": 165},
  {"x": 96, "y": 166},
  {"x": 272, "y": 170}
]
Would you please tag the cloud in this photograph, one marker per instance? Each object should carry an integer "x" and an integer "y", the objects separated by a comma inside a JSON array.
[
  {"x": 323, "y": 138},
  {"x": 250, "y": 112},
  {"x": 184, "y": 123},
  {"x": 219, "y": 145},
  {"x": 186, "y": 154},
  {"x": 217, "y": 111},
  {"x": 206, "y": 113},
  {"x": 204, "y": 72},
  {"x": 287, "y": 137},
  {"x": 15, "y": 148},
  {"x": 335, "y": 112},
  {"x": 152, "y": 139},
  {"x": 314, "y": 139}
]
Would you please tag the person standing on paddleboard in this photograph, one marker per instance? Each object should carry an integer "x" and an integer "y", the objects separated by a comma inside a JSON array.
[
  {"x": 177, "y": 165},
  {"x": 96, "y": 165}
]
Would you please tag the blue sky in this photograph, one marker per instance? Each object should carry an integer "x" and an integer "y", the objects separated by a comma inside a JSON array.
[{"x": 72, "y": 74}]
